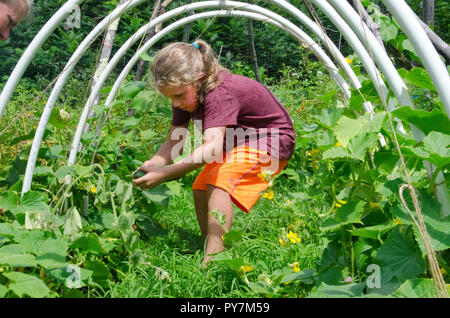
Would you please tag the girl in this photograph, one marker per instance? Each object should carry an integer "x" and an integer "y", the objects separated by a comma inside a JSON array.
[{"x": 247, "y": 135}]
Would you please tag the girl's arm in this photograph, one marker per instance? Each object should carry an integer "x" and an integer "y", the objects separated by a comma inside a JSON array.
[
  {"x": 207, "y": 152},
  {"x": 165, "y": 155}
]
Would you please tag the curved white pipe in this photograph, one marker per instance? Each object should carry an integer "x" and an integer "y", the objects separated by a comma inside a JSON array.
[
  {"x": 29, "y": 53},
  {"x": 423, "y": 47},
  {"x": 435, "y": 68},
  {"x": 201, "y": 5},
  {"x": 357, "y": 46},
  {"x": 295, "y": 31},
  {"x": 46, "y": 113},
  {"x": 134, "y": 38}
]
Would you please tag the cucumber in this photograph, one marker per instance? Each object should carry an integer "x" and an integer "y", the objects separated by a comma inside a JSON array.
[{"x": 139, "y": 174}]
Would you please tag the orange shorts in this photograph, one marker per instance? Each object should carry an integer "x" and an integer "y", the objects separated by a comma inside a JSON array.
[{"x": 238, "y": 175}]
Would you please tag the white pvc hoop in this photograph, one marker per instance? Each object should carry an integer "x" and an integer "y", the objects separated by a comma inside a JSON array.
[
  {"x": 31, "y": 50},
  {"x": 340, "y": 13},
  {"x": 70, "y": 66}
]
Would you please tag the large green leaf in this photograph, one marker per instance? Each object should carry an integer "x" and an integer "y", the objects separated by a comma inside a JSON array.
[
  {"x": 39, "y": 242},
  {"x": 347, "y": 128},
  {"x": 89, "y": 244},
  {"x": 336, "y": 152},
  {"x": 332, "y": 264},
  {"x": 388, "y": 30},
  {"x": 438, "y": 228},
  {"x": 100, "y": 273},
  {"x": 338, "y": 291},
  {"x": 131, "y": 89},
  {"x": 417, "y": 76},
  {"x": 438, "y": 146},
  {"x": 31, "y": 201},
  {"x": 399, "y": 259},
  {"x": 347, "y": 214},
  {"x": 373, "y": 232},
  {"x": 329, "y": 117},
  {"x": 306, "y": 276},
  {"x": 417, "y": 288},
  {"x": 27, "y": 285},
  {"x": 360, "y": 143},
  {"x": 9, "y": 200},
  {"x": 9, "y": 231},
  {"x": 159, "y": 195},
  {"x": 124, "y": 192},
  {"x": 17, "y": 260},
  {"x": 435, "y": 120},
  {"x": 3, "y": 291}
]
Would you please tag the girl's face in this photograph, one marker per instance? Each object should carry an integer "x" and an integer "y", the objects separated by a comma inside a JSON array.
[{"x": 183, "y": 97}]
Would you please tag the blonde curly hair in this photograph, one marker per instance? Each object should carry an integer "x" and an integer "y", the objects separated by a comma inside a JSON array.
[{"x": 179, "y": 64}]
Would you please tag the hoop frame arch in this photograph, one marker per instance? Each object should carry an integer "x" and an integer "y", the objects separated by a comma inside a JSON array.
[
  {"x": 76, "y": 56},
  {"x": 231, "y": 13},
  {"x": 369, "y": 65},
  {"x": 138, "y": 34},
  {"x": 398, "y": 87},
  {"x": 423, "y": 47},
  {"x": 398, "y": 8},
  {"x": 179, "y": 10},
  {"x": 31, "y": 50}
]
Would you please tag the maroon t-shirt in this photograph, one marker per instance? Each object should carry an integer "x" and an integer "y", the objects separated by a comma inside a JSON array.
[{"x": 252, "y": 114}]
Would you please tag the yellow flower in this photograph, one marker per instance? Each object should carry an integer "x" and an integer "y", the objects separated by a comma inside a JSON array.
[
  {"x": 268, "y": 195},
  {"x": 338, "y": 144},
  {"x": 262, "y": 176},
  {"x": 349, "y": 61},
  {"x": 373, "y": 205},
  {"x": 93, "y": 189},
  {"x": 338, "y": 205},
  {"x": 293, "y": 237},
  {"x": 288, "y": 202},
  {"x": 246, "y": 268},
  {"x": 397, "y": 221},
  {"x": 296, "y": 267},
  {"x": 281, "y": 241}
]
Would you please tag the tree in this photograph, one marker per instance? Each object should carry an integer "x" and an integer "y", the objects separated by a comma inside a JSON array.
[
  {"x": 428, "y": 12},
  {"x": 158, "y": 9},
  {"x": 251, "y": 38}
]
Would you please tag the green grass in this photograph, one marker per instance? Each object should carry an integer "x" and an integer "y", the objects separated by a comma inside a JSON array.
[{"x": 175, "y": 246}]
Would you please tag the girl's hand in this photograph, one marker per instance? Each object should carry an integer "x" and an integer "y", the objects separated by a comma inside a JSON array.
[{"x": 153, "y": 178}]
